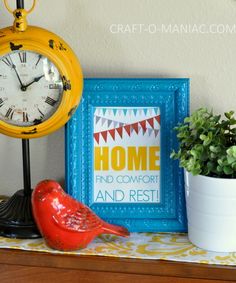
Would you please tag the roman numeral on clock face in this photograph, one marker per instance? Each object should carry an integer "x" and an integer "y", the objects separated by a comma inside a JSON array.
[
  {"x": 9, "y": 113},
  {"x": 39, "y": 58},
  {"x": 1, "y": 102},
  {"x": 42, "y": 115},
  {"x": 22, "y": 56},
  {"x": 25, "y": 117},
  {"x": 50, "y": 101},
  {"x": 7, "y": 62}
]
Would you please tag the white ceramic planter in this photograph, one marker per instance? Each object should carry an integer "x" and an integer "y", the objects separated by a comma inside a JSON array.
[{"x": 211, "y": 212}]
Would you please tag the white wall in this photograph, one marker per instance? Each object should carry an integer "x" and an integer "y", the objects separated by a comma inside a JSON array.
[{"x": 208, "y": 59}]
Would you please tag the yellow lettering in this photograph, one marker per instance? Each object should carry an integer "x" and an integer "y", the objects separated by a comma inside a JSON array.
[
  {"x": 137, "y": 158},
  {"x": 101, "y": 161},
  {"x": 153, "y": 158},
  {"x": 131, "y": 158},
  {"x": 118, "y": 158}
]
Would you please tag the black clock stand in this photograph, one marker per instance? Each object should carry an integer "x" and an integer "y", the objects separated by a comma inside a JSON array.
[{"x": 16, "y": 218}]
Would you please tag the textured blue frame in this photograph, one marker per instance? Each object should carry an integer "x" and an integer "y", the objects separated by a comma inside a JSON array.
[{"x": 172, "y": 96}]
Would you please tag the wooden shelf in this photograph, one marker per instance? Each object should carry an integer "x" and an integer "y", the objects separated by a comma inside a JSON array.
[{"x": 23, "y": 266}]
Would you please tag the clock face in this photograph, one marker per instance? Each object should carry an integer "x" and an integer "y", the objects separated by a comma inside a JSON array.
[{"x": 31, "y": 88}]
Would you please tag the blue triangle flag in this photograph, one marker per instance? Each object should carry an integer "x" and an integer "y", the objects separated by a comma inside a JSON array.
[
  {"x": 104, "y": 111},
  {"x": 156, "y": 110}
]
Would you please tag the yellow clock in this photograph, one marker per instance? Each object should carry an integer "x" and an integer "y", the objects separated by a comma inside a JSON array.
[{"x": 41, "y": 79}]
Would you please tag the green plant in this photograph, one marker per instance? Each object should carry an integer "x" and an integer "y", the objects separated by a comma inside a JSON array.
[{"x": 207, "y": 144}]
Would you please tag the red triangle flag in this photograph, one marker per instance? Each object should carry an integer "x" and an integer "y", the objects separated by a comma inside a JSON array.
[
  {"x": 151, "y": 122},
  {"x": 96, "y": 136},
  {"x": 112, "y": 133},
  {"x": 158, "y": 118},
  {"x": 104, "y": 135},
  {"x": 135, "y": 127},
  {"x": 128, "y": 129},
  {"x": 143, "y": 125},
  {"x": 120, "y": 131}
]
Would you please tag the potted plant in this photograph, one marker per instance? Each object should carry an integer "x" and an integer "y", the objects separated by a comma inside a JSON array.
[{"x": 207, "y": 151}]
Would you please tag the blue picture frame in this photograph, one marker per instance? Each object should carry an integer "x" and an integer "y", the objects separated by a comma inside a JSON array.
[{"x": 160, "y": 209}]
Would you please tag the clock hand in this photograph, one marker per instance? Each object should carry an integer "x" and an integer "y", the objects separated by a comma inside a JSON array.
[
  {"x": 14, "y": 68},
  {"x": 35, "y": 80}
]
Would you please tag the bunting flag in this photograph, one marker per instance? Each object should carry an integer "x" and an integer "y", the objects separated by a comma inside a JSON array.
[
  {"x": 120, "y": 124},
  {"x": 158, "y": 118},
  {"x": 125, "y": 111},
  {"x": 130, "y": 112},
  {"x": 109, "y": 122},
  {"x": 151, "y": 122},
  {"x": 128, "y": 129},
  {"x": 156, "y": 110},
  {"x": 96, "y": 136},
  {"x": 135, "y": 127},
  {"x": 149, "y": 132},
  {"x": 135, "y": 111},
  {"x": 103, "y": 121},
  {"x": 112, "y": 133},
  {"x": 120, "y": 127},
  {"x": 104, "y": 135},
  {"x": 120, "y": 131},
  {"x": 143, "y": 125},
  {"x": 97, "y": 119},
  {"x": 156, "y": 132}
]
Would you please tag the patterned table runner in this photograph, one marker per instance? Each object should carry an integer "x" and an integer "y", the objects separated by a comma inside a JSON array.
[{"x": 165, "y": 246}]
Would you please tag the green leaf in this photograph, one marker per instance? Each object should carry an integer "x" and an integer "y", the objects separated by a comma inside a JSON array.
[
  {"x": 203, "y": 137},
  {"x": 207, "y": 144},
  {"x": 227, "y": 170},
  {"x": 232, "y": 151},
  {"x": 229, "y": 114},
  {"x": 213, "y": 148}
]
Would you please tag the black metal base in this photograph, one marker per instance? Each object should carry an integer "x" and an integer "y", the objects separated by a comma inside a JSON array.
[{"x": 16, "y": 219}]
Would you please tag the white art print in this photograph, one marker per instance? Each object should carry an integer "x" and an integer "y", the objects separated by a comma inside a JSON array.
[{"x": 126, "y": 155}]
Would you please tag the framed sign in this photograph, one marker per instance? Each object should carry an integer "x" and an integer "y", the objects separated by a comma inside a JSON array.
[{"x": 118, "y": 147}]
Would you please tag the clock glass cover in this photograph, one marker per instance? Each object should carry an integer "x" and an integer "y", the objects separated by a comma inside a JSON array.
[{"x": 31, "y": 88}]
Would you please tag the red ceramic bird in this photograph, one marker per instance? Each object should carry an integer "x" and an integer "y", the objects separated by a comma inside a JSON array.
[{"x": 65, "y": 223}]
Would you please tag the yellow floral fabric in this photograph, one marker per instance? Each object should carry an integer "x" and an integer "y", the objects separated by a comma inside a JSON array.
[{"x": 165, "y": 246}]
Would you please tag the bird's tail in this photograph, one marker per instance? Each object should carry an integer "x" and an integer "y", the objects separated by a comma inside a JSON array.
[{"x": 116, "y": 230}]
